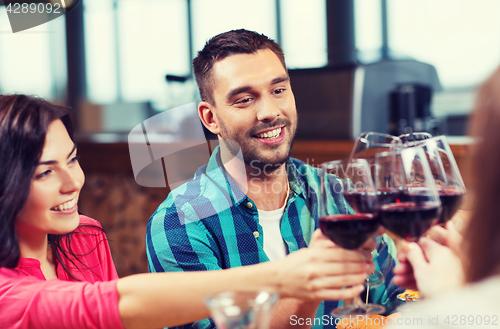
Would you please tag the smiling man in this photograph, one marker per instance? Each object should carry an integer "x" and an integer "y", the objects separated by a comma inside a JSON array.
[
  {"x": 252, "y": 203},
  {"x": 250, "y": 106}
]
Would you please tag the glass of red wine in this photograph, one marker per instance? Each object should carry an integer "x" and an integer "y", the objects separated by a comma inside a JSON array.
[
  {"x": 357, "y": 224},
  {"x": 447, "y": 178},
  {"x": 408, "y": 199}
]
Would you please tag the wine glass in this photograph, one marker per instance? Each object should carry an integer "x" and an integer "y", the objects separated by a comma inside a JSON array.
[
  {"x": 449, "y": 183},
  {"x": 353, "y": 229},
  {"x": 242, "y": 309},
  {"x": 407, "y": 195},
  {"x": 368, "y": 144},
  {"x": 414, "y": 137}
]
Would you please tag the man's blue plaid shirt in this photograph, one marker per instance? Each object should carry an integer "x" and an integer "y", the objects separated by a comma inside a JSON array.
[{"x": 210, "y": 224}]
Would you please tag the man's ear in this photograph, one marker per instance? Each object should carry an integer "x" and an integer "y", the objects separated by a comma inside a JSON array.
[{"x": 207, "y": 116}]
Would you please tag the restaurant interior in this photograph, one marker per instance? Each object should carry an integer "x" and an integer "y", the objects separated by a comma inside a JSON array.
[{"x": 390, "y": 66}]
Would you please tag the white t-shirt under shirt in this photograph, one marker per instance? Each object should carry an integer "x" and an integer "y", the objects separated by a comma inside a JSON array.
[{"x": 274, "y": 246}]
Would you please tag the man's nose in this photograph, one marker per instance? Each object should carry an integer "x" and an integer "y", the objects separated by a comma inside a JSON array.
[{"x": 269, "y": 110}]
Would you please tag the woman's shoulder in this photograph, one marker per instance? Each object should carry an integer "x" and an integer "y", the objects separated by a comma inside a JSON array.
[
  {"x": 88, "y": 254},
  {"x": 84, "y": 220},
  {"x": 88, "y": 225}
]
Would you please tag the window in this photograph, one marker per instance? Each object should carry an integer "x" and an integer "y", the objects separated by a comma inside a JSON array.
[
  {"x": 459, "y": 37},
  {"x": 153, "y": 41},
  {"x": 368, "y": 28},
  {"x": 211, "y": 17},
  {"x": 303, "y": 28},
  {"x": 100, "y": 51},
  {"x": 43, "y": 74},
  {"x": 131, "y": 46}
]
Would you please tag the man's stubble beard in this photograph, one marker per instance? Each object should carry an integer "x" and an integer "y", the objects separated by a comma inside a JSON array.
[{"x": 251, "y": 157}]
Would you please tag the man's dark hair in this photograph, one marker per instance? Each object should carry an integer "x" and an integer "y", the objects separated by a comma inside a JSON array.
[{"x": 224, "y": 45}]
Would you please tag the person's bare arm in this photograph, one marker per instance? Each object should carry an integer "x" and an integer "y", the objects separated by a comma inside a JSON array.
[{"x": 310, "y": 274}]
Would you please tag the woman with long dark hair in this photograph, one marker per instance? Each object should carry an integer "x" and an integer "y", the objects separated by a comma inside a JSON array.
[
  {"x": 56, "y": 269},
  {"x": 462, "y": 274},
  {"x": 28, "y": 181}
]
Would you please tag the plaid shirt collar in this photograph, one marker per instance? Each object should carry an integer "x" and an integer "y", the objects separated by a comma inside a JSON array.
[{"x": 216, "y": 172}]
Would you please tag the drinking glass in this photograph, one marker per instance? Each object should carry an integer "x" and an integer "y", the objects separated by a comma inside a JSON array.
[
  {"x": 242, "y": 309},
  {"x": 353, "y": 180},
  {"x": 447, "y": 177},
  {"x": 414, "y": 137},
  {"x": 368, "y": 144},
  {"x": 407, "y": 195}
]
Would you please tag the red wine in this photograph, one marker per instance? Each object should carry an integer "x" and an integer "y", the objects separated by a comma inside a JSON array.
[
  {"x": 361, "y": 202},
  {"x": 450, "y": 201},
  {"x": 388, "y": 195},
  {"x": 409, "y": 220},
  {"x": 349, "y": 231},
  {"x": 415, "y": 194}
]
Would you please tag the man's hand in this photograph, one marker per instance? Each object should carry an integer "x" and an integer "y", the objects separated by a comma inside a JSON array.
[{"x": 324, "y": 271}]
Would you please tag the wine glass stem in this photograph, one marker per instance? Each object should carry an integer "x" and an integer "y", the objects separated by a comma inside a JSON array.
[
  {"x": 357, "y": 302},
  {"x": 367, "y": 290}
]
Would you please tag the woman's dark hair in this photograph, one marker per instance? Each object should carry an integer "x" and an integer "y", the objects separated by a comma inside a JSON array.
[
  {"x": 24, "y": 122},
  {"x": 483, "y": 232}
]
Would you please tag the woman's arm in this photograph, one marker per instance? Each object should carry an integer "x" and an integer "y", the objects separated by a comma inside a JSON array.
[
  {"x": 169, "y": 299},
  {"x": 310, "y": 274}
]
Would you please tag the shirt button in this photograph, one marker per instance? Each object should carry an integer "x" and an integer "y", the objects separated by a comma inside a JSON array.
[
  {"x": 249, "y": 205},
  {"x": 256, "y": 234}
]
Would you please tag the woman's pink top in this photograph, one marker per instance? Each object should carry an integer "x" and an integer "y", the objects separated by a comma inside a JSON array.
[{"x": 28, "y": 300}]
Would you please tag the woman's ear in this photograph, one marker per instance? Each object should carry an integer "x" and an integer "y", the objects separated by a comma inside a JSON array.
[{"x": 208, "y": 117}]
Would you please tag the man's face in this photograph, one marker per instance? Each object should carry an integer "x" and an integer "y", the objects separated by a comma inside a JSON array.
[{"x": 255, "y": 107}]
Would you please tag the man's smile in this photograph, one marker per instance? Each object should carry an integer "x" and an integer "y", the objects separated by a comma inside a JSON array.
[
  {"x": 269, "y": 133},
  {"x": 271, "y": 136}
]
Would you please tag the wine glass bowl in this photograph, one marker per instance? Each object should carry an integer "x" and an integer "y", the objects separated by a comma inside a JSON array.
[
  {"x": 447, "y": 177},
  {"x": 408, "y": 199},
  {"x": 352, "y": 179},
  {"x": 242, "y": 309},
  {"x": 368, "y": 144},
  {"x": 414, "y": 137}
]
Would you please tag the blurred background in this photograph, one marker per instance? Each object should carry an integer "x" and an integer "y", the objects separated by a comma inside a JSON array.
[
  {"x": 356, "y": 65},
  {"x": 112, "y": 56}
]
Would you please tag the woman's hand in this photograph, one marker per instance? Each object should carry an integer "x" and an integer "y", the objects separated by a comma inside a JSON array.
[
  {"x": 449, "y": 237},
  {"x": 436, "y": 268}
]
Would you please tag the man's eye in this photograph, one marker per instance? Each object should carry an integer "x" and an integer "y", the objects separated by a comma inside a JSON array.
[
  {"x": 279, "y": 91},
  {"x": 243, "y": 101}
]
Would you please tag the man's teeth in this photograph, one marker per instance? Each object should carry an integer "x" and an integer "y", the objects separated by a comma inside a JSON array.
[
  {"x": 65, "y": 206},
  {"x": 270, "y": 134}
]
